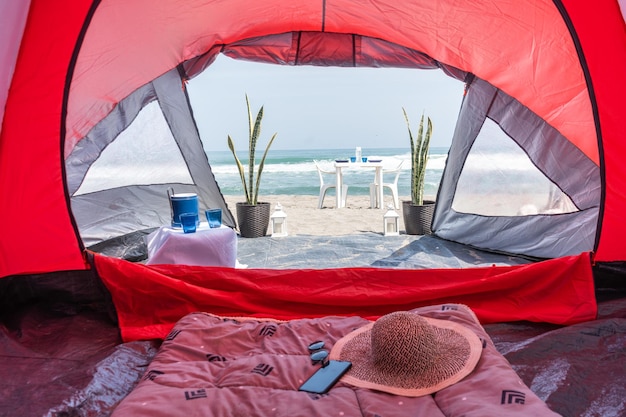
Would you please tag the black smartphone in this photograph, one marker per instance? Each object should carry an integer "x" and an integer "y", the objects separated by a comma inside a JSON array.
[{"x": 325, "y": 377}]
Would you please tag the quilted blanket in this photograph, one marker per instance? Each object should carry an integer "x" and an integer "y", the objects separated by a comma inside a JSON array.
[{"x": 217, "y": 366}]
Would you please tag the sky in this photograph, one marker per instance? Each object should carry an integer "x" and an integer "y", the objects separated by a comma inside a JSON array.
[{"x": 321, "y": 107}]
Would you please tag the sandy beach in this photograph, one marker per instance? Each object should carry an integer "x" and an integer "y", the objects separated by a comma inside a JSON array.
[{"x": 304, "y": 218}]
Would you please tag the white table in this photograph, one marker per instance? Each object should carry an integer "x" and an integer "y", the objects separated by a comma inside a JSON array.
[
  {"x": 205, "y": 247},
  {"x": 340, "y": 166}
]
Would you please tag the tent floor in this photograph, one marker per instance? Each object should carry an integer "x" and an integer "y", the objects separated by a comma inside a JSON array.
[
  {"x": 317, "y": 252},
  {"x": 364, "y": 250}
]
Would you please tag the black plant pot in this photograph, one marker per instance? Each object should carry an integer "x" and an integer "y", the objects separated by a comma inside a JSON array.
[
  {"x": 253, "y": 220},
  {"x": 418, "y": 219}
]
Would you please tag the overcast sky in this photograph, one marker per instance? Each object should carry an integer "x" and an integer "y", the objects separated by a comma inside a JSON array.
[{"x": 322, "y": 107}]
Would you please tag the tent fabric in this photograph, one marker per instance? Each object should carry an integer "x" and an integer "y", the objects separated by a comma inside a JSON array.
[
  {"x": 97, "y": 81},
  {"x": 15, "y": 14},
  {"x": 320, "y": 48},
  {"x": 30, "y": 141},
  {"x": 549, "y": 56},
  {"x": 140, "y": 202},
  {"x": 593, "y": 28},
  {"x": 557, "y": 230},
  {"x": 555, "y": 291}
]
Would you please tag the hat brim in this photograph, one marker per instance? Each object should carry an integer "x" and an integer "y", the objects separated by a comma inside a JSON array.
[{"x": 356, "y": 348}]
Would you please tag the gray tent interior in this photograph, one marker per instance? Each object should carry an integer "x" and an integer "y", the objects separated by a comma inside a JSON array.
[
  {"x": 169, "y": 132},
  {"x": 471, "y": 202}
]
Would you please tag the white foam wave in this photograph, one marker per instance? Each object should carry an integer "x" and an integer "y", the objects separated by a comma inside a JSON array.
[{"x": 436, "y": 162}]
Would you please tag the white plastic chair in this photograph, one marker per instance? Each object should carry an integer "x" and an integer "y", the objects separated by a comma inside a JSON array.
[
  {"x": 324, "y": 187},
  {"x": 393, "y": 186}
]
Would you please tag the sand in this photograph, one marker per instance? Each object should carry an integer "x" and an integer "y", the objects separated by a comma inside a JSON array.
[{"x": 304, "y": 218}]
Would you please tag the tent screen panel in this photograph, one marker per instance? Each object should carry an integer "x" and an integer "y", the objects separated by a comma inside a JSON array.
[
  {"x": 498, "y": 179},
  {"x": 145, "y": 153}
]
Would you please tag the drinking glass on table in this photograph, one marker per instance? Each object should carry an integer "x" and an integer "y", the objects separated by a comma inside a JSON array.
[
  {"x": 214, "y": 217},
  {"x": 189, "y": 220}
]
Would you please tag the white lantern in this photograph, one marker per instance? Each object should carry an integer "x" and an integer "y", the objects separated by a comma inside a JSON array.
[
  {"x": 391, "y": 222},
  {"x": 279, "y": 222}
]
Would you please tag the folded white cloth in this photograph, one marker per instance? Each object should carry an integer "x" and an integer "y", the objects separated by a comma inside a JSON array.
[{"x": 206, "y": 247}]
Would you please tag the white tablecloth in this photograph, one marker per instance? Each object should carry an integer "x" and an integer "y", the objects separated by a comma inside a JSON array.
[{"x": 206, "y": 247}]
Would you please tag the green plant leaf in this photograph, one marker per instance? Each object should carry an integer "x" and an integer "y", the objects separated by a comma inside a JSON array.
[
  {"x": 242, "y": 175},
  {"x": 261, "y": 165},
  {"x": 419, "y": 157},
  {"x": 250, "y": 187},
  {"x": 251, "y": 149}
]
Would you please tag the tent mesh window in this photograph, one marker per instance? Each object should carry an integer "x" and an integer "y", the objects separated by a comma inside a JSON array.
[
  {"x": 498, "y": 179},
  {"x": 143, "y": 154}
]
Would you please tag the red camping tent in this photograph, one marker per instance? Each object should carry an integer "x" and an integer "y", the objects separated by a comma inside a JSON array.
[
  {"x": 75, "y": 73},
  {"x": 79, "y": 62}
]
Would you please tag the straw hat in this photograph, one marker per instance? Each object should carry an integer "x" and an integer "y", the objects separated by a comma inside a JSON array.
[{"x": 406, "y": 354}]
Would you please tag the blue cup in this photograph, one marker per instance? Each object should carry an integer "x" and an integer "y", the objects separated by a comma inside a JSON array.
[
  {"x": 364, "y": 159},
  {"x": 183, "y": 203},
  {"x": 214, "y": 217},
  {"x": 353, "y": 159},
  {"x": 189, "y": 222}
]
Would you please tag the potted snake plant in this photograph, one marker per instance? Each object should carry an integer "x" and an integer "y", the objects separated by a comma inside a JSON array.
[
  {"x": 417, "y": 212},
  {"x": 253, "y": 216}
]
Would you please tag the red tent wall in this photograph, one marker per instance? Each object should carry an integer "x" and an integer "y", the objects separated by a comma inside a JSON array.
[
  {"x": 11, "y": 30},
  {"x": 473, "y": 37},
  {"x": 31, "y": 171},
  {"x": 602, "y": 33},
  {"x": 37, "y": 233},
  {"x": 556, "y": 291}
]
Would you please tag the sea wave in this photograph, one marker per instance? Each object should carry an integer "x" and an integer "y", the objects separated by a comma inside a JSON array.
[
  {"x": 435, "y": 162},
  {"x": 284, "y": 172}
]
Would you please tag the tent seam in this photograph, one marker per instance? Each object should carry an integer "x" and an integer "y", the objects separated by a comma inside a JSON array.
[
  {"x": 596, "y": 117},
  {"x": 63, "y": 127}
]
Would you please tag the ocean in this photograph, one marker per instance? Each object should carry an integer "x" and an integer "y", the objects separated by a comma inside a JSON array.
[
  {"x": 490, "y": 172},
  {"x": 293, "y": 172}
]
